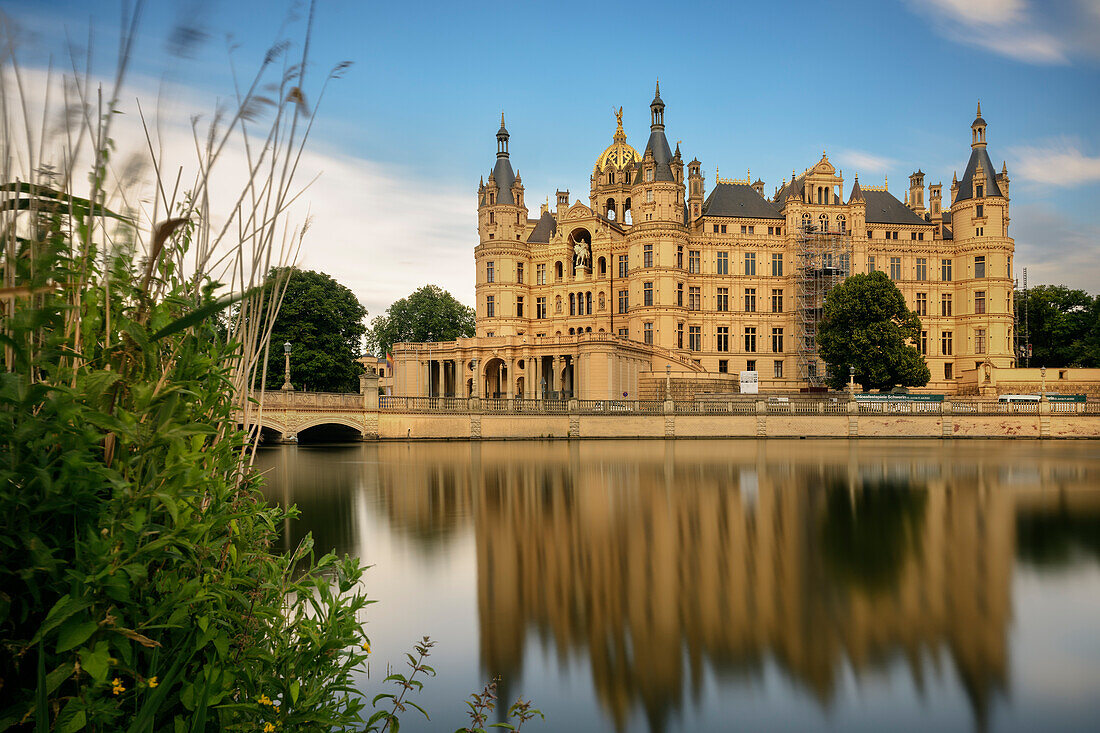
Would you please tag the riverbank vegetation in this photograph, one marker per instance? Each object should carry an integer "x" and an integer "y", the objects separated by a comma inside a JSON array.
[{"x": 140, "y": 589}]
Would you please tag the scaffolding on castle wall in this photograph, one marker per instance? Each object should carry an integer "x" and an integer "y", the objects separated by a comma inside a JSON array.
[{"x": 823, "y": 260}]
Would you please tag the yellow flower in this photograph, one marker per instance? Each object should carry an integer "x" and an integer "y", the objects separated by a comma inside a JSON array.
[
  {"x": 116, "y": 686},
  {"x": 153, "y": 682},
  {"x": 275, "y": 707},
  {"x": 265, "y": 700},
  {"x": 269, "y": 727},
  {"x": 366, "y": 647}
]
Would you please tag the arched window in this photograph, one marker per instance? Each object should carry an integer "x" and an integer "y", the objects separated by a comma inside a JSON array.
[
  {"x": 628, "y": 217},
  {"x": 572, "y": 305},
  {"x": 823, "y": 222},
  {"x": 558, "y": 271},
  {"x": 841, "y": 224},
  {"x": 806, "y": 221},
  {"x": 492, "y": 217},
  {"x": 588, "y": 303},
  {"x": 588, "y": 329},
  {"x": 602, "y": 267},
  {"x": 609, "y": 209},
  {"x": 571, "y": 331},
  {"x": 611, "y": 177},
  {"x": 603, "y": 301}
]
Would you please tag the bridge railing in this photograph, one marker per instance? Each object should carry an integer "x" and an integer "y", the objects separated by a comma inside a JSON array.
[{"x": 278, "y": 399}]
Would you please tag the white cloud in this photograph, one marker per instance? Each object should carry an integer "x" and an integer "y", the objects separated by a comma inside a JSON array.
[
  {"x": 1059, "y": 31},
  {"x": 1056, "y": 249},
  {"x": 1059, "y": 163},
  {"x": 374, "y": 228},
  {"x": 860, "y": 161}
]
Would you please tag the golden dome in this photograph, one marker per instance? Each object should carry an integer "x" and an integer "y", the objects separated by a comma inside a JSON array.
[{"x": 618, "y": 155}]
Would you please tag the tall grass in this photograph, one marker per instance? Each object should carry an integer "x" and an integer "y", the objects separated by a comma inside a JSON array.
[{"x": 139, "y": 587}]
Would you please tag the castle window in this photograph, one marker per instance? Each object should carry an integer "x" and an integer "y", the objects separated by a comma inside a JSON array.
[
  {"x": 807, "y": 222},
  {"x": 723, "y": 263},
  {"x": 870, "y": 264},
  {"x": 980, "y": 210},
  {"x": 540, "y": 274},
  {"x": 750, "y": 300},
  {"x": 945, "y": 305},
  {"x": 611, "y": 177},
  {"x": 777, "y": 264},
  {"x": 694, "y": 299},
  {"x": 647, "y": 255},
  {"x": 572, "y": 304},
  {"x": 777, "y": 300},
  {"x": 869, "y": 233},
  {"x": 945, "y": 346},
  {"x": 777, "y": 340},
  {"x": 519, "y": 272},
  {"x": 715, "y": 228},
  {"x": 920, "y": 236},
  {"x": 922, "y": 268},
  {"x": 490, "y": 306},
  {"x": 695, "y": 338},
  {"x": 922, "y": 304},
  {"x": 519, "y": 306},
  {"x": 693, "y": 262},
  {"x": 588, "y": 303},
  {"x": 679, "y": 295},
  {"x": 947, "y": 371},
  {"x": 679, "y": 335},
  {"x": 945, "y": 270},
  {"x": 979, "y": 302},
  {"x": 979, "y": 266},
  {"x": 750, "y": 340},
  {"x": 723, "y": 366},
  {"x": 979, "y": 341},
  {"x": 723, "y": 229},
  {"x": 680, "y": 256},
  {"x": 823, "y": 222},
  {"x": 895, "y": 268},
  {"x": 557, "y": 270},
  {"x": 750, "y": 365},
  {"x": 845, "y": 263},
  {"x": 647, "y": 293},
  {"x": 979, "y": 191},
  {"x": 723, "y": 299},
  {"x": 842, "y": 224},
  {"x": 922, "y": 347},
  {"x": 540, "y": 307},
  {"x": 623, "y": 301},
  {"x": 750, "y": 263},
  {"x": 649, "y": 175},
  {"x": 723, "y": 338},
  {"x": 649, "y": 195},
  {"x": 492, "y": 218},
  {"x": 622, "y": 265},
  {"x": 647, "y": 333},
  {"x": 913, "y": 236},
  {"x": 490, "y": 272},
  {"x": 603, "y": 267},
  {"x": 778, "y": 366}
]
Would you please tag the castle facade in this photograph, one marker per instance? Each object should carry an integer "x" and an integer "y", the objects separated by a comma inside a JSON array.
[{"x": 658, "y": 283}]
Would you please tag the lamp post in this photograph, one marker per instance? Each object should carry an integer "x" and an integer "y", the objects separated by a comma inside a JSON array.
[
  {"x": 1043, "y": 386},
  {"x": 287, "y": 386},
  {"x": 668, "y": 380},
  {"x": 851, "y": 379}
]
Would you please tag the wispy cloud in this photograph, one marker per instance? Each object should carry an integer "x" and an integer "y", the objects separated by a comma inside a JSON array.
[
  {"x": 1058, "y": 163},
  {"x": 375, "y": 228},
  {"x": 1056, "y": 249},
  {"x": 1013, "y": 28},
  {"x": 860, "y": 161}
]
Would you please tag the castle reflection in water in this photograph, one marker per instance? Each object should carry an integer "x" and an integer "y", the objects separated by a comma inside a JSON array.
[{"x": 656, "y": 561}]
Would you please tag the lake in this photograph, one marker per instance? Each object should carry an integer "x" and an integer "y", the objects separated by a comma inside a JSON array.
[{"x": 856, "y": 585}]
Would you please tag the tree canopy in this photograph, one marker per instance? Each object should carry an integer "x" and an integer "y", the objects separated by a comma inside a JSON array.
[
  {"x": 429, "y": 313},
  {"x": 867, "y": 325},
  {"x": 1062, "y": 325},
  {"x": 324, "y": 323}
]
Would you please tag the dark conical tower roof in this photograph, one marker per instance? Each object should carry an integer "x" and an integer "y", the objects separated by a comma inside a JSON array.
[{"x": 502, "y": 171}]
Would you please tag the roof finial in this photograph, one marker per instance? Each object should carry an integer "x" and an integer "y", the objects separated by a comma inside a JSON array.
[
  {"x": 979, "y": 108},
  {"x": 658, "y": 92},
  {"x": 886, "y": 181}
]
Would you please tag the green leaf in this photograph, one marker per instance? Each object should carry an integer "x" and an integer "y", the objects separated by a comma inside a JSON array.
[
  {"x": 97, "y": 662},
  {"x": 65, "y": 607},
  {"x": 294, "y": 688},
  {"x": 74, "y": 633},
  {"x": 73, "y": 717}
]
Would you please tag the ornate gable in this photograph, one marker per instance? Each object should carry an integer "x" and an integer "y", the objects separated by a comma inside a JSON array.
[{"x": 577, "y": 211}]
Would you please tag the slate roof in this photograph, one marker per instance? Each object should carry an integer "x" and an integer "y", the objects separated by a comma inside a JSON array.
[
  {"x": 545, "y": 228},
  {"x": 966, "y": 185},
  {"x": 741, "y": 201},
  {"x": 662, "y": 156},
  {"x": 883, "y": 208},
  {"x": 504, "y": 176}
]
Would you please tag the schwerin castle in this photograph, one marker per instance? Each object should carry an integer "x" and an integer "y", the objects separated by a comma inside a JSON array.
[{"x": 658, "y": 284}]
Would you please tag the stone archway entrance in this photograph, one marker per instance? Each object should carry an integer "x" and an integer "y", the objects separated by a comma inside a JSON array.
[{"x": 495, "y": 376}]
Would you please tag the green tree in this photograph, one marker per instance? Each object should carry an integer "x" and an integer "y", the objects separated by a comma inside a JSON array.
[
  {"x": 430, "y": 313},
  {"x": 1063, "y": 326},
  {"x": 866, "y": 325},
  {"x": 324, "y": 323}
]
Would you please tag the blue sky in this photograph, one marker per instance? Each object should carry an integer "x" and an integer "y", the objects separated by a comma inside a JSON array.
[{"x": 884, "y": 87}]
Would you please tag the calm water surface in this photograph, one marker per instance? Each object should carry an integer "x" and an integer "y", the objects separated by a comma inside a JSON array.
[{"x": 727, "y": 585}]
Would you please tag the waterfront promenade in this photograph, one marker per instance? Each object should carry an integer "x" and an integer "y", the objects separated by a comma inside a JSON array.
[{"x": 286, "y": 415}]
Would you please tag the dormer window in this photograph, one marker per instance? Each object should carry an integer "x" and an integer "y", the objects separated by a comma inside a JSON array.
[
  {"x": 979, "y": 191},
  {"x": 649, "y": 175}
]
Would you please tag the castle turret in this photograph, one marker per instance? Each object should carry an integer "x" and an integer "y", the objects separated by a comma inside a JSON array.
[
  {"x": 915, "y": 197},
  {"x": 696, "y": 188},
  {"x": 658, "y": 191}
]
